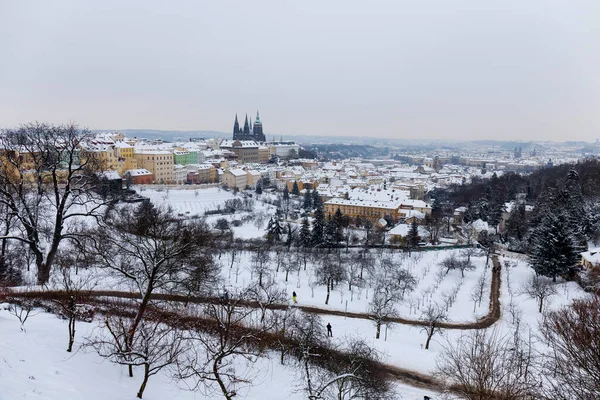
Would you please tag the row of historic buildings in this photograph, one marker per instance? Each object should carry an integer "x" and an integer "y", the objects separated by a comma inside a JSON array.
[{"x": 187, "y": 162}]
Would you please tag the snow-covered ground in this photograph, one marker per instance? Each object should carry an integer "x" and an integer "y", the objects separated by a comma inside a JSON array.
[
  {"x": 34, "y": 364},
  {"x": 433, "y": 284},
  {"x": 196, "y": 201}
]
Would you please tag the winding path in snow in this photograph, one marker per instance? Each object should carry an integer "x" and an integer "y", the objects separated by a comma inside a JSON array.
[
  {"x": 409, "y": 377},
  {"x": 484, "y": 322}
]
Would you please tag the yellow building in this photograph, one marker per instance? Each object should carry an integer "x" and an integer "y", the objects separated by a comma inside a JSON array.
[
  {"x": 364, "y": 209},
  {"x": 264, "y": 154},
  {"x": 160, "y": 163},
  {"x": 125, "y": 157}
]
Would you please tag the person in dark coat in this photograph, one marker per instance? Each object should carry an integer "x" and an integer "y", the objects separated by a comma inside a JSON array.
[{"x": 329, "y": 333}]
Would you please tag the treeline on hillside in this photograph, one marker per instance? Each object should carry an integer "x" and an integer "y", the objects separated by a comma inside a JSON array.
[
  {"x": 555, "y": 211},
  {"x": 534, "y": 184},
  {"x": 337, "y": 151}
]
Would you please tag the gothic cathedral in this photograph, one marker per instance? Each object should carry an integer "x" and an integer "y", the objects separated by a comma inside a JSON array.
[{"x": 250, "y": 132}]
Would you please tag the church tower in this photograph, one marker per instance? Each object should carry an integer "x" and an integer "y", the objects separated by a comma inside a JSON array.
[
  {"x": 257, "y": 129},
  {"x": 236, "y": 127},
  {"x": 246, "y": 126}
]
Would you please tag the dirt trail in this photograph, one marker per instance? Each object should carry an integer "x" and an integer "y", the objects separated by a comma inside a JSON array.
[
  {"x": 411, "y": 378},
  {"x": 485, "y": 322}
]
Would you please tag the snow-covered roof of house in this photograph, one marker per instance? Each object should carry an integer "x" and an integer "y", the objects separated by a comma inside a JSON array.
[
  {"x": 416, "y": 203},
  {"x": 111, "y": 175},
  {"x": 592, "y": 255},
  {"x": 138, "y": 172},
  {"x": 237, "y": 172},
  {"x": 480, "y": 225},
  {"x": 391, "y": 205},
  {"x": 152, "y": 152},
  {"x": 122, "y": 145},
  {"x": 413, "y": 213},
  {"x": 403, "y": 229},
  {"x": 228, "y": 143},
  {"x": 253, "y": 172}
]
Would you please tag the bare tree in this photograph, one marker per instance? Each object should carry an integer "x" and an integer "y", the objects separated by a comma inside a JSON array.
[
  {"x": 45, "y": 182},
  {"x": 383, "y": 303},
  {"x": 365, "y": 262},
  {"x": 357, "y": 375},
  {"x": 75, "y": 287},
  {"x": 452, "y": 262},
  {"x": 309, "y": 342},
  {"x": 540, "y": 289},
  {"x": 22, "y": 309},
  {"x": 478, "y": 291},
  {"x": 266, "y": 295},
  {"x": 261, "y": 262},
  {"x": 469, "y": 252},
  {"x": 404, "y": 281},
  {"x": 215, "y": 347},
  {"x": 433, "y": 315},
  {"x": 156, "y": 345},
  {"x": 572, "y": 362},
  {"x": 483, "y": 365},
  {"x": 328, "y": 271},
  {"x": 152, "y": 250}
]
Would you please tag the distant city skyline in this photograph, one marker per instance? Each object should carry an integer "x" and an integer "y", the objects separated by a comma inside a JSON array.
[{"x": 436, "y": 69}]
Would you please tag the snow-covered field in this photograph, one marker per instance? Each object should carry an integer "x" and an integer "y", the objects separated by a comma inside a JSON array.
[
  {"x": 195, "y": 201},
  {"x": 187, "y": 201},
  {"x": 433, "y": 284},
  {"x": 35, "y": 365}
]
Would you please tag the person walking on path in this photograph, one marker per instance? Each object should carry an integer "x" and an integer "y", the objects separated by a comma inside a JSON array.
[
  {"x": 294, "y": 298},
  {"x": 329, "y": 333}
]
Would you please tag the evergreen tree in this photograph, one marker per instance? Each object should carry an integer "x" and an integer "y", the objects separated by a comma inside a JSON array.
[
  {"x": 308, "y": 203},
  {"x": 570, "y": 199},
  {"x": 329, "y": 230},
  {"x": 295, "y": 189},
  {"x": 304, "y": 237},
  {"x": 274, "y": 230},
  {"x": 516, "y": 225},
  {"x": 553, "y": 249},
  {"x": 337, "y": 229},
  {"x": 317, "y": 203},
  {"x": 286, "y": 194},
  {"x": 318, "y": 228},
  {"x": 258, "y": 189},
  {"x": 413, "y": 238}
]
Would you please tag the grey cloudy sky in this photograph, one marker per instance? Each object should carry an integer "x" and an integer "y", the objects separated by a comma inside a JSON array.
[{"x": 493, "y": 69}]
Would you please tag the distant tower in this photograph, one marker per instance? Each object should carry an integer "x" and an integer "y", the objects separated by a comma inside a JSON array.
[
  {"x": 257, "y": 129},
  {"x": 246, "y": 127},
  {"x": 236, "y": 127}
]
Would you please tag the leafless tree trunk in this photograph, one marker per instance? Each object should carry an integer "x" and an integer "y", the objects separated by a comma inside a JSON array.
[
  {"x": 151, "y": 249},
  {"x": 571, "y": 367},
  {"x": 483, "y": 365},
  {"x": 155, "y": 347},
  {"x": 539, "y": 288},
  {"x": 74, "y": 286},
  {"x": 213, "y": 351},
  {"x": 47, "y": 180},
  {"x": 433, "y": 315}
]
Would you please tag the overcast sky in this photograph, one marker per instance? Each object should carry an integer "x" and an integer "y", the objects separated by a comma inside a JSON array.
[{"x": 451, "y": 69}]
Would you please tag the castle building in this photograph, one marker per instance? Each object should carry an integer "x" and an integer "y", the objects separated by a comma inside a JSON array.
[{"x": 249, "y": 132}]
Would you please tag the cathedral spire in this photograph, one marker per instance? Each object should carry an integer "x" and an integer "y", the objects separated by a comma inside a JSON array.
[
  {"x": 257, "y": 130},
  {"x": 246, "y": 126},
  {"x": 236, "y": 125}
]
